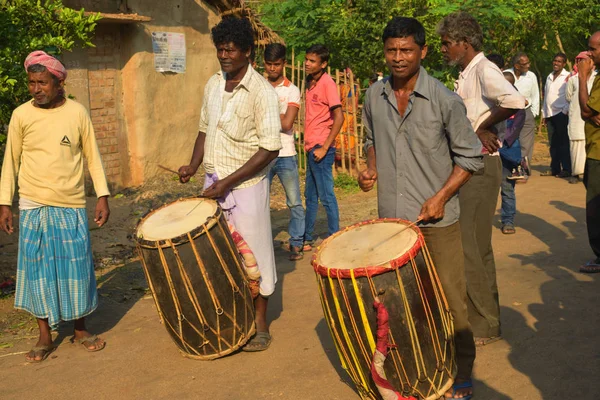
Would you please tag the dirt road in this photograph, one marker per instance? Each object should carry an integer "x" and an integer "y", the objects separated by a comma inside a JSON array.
[{"x": 549, "y": 323}]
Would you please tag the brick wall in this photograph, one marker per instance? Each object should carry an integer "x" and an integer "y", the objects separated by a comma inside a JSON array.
[{"x": 102, "y": 75}]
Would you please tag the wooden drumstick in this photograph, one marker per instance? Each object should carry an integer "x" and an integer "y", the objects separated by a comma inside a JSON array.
[
  {"x": 169, "y": 169},
  {"x": 396, "y": 234}
]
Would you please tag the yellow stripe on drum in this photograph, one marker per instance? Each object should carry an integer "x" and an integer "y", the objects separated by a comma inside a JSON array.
[{"x": 363, "y": 313}]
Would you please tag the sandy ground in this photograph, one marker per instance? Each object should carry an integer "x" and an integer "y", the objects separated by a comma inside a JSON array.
[{"x": 549, "y": 324}]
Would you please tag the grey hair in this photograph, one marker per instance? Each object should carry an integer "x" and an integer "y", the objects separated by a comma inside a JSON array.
[
  {"x": 36, "y": 68},
  {"x": 517, "y": 57},
  {"x": 461, "y": 26}
]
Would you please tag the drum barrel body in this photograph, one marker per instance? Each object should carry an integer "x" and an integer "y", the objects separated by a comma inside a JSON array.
[
  {"x": 420, "y": 361},
  {"x": 200, "y": 289}
]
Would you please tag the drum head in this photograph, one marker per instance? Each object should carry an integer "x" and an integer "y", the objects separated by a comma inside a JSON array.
[
  {"x": 176, "y": 219},
  {"x": 367, "y": 245}
]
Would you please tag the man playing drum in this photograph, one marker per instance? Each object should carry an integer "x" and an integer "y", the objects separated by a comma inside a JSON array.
[
  {"x": 422, "y": 148},
  {"x": 48, "y": 137},
  {"x": 237, "y": 140}
]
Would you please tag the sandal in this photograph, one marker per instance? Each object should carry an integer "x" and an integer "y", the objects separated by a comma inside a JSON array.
[
  {"x": 508, "y": 229},
  {"x": 259, "y": 342},
  {"x": 462, "y": 385},
  {"x": 484, "y": 341},
  {"x": 88, "y": 341},
  {"x": 591, "y": 267},
  {"x": 296, "y": 253},
  {"x": 46, "y": 352}
]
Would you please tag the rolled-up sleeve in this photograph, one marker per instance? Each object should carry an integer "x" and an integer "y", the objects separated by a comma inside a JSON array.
[
  {"x": 464, "y": 143},
  {"x": 268, "y": 121},
  {"x": 367, "y": 122}
]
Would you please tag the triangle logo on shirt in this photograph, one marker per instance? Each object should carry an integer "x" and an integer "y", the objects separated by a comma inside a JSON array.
[{"x": 65, "y": 141}]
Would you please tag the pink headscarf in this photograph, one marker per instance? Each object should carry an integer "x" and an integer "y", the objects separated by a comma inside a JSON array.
[
  {"x": 53, "y": 66},
  {"x": 581, "y": 56}
]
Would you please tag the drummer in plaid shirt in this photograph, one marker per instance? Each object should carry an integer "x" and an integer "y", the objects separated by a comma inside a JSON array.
[
  {"x": 237, "y": 140},
  {"x": 421, "y": 147}
]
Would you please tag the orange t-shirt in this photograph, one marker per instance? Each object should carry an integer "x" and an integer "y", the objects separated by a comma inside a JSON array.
[{"x": 319, "y": 119}]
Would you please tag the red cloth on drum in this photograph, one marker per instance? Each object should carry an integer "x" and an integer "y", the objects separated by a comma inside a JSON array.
[
  {"x": 383, "y": 386},
  {"x": 248, "y": 259}
]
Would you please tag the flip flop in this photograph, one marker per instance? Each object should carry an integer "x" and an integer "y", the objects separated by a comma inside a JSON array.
[
  {"x": 462, "y": 385},
  {"x": 88, "y": 341},
  {"x": 508, "y": 229},
  {"x": 46, "y": 349},
  {"x": 591, "y": 267},
  {"x": 484, "y": 341},
  {"x": 260, "y": 342}
]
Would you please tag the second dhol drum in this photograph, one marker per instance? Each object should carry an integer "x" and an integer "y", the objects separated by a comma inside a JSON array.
[
  {"x": 197, "y": 278},
  {"x": 386, "y": 260}
]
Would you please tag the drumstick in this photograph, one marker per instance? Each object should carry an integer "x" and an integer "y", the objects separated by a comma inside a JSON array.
[
  {"x": 396, "y": 234},
  {"x": 189, "y": 212},
  {"x": 168, "y": 169}
]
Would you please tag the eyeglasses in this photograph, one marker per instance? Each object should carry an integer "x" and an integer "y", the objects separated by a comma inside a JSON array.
[{"x": 524, "y": 64}]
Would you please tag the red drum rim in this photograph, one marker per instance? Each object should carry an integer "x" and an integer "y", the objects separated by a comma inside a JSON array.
[
  {"x": 369, "y": 270},
  {"x": 183, "y": 238}
]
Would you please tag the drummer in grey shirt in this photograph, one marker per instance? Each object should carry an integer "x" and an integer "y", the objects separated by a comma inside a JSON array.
[{"x": 421, "y": 148}]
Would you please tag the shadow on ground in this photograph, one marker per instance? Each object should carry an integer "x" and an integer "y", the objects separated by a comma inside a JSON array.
[{"x": 558, "y": 340}]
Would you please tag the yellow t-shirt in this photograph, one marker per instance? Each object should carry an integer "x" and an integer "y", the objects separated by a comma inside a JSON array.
[
  {"x": 592, "y": 131},
  {"x": 45, "y": 148}
]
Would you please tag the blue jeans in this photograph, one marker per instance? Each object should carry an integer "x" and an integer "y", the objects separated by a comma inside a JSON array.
[
  {"x": 507, "y": 193},
  {"x": 319, "y": 186},
  {"x": 286, "y": 168}
]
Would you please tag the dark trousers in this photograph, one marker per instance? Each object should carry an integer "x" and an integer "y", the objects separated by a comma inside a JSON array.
[
  {"x": 591, "y": 179},
  {"x": 445, "y": 247},
  {"x": 478, "y": 198},
  {"x": 558, "y": 136}
]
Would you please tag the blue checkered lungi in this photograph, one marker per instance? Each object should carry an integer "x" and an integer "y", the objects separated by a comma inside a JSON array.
[{"x": 55, "y": 273}]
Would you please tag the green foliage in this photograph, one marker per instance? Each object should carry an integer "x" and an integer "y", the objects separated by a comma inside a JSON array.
[
  {"x": 347, "y": 183},
  {"x": 29, "y": 25},
  {"x": 352, "y": 28}
]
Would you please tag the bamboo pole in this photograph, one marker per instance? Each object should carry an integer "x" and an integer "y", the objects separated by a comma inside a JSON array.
[
  {"x": 354, "y": 125},
  {"x": 347, "y": 162},
  {"x": 342, "y": 152},
  {"x": 302, "y": 81},
  {"x": 293, "y": 65}
]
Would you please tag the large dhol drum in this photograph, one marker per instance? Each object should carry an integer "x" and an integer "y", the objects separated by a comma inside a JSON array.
[
  {"x": 387, "y": 260},
  {"x": 196, "y": 277}
]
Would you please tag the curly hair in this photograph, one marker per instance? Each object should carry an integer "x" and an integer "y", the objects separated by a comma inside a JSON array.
[
  {"x": 461, "y": 26},
  {"x": 234, "y": 30}
]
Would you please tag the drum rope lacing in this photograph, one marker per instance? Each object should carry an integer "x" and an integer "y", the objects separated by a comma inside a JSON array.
[{"x": 350, "y": 362}]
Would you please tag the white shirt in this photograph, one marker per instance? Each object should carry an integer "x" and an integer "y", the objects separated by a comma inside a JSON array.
[
  {"x": 555, "y": 100},
  {"x": 527, "y": 85},
  {"x": 234, "y": 132},
  {"x": 576, "y": 124},
  {"x": 482, "y": 87},
  {"x": 289, "y": 96}
]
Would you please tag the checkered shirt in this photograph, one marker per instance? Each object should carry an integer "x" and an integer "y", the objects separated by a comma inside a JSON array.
[{"x": 249, "y": 121}]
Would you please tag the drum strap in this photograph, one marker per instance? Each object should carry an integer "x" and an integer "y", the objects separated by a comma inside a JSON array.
[{"x": 363, "y": 313}]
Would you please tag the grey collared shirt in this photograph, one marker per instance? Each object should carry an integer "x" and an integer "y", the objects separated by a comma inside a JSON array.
[{"x": 416, "y": 152}]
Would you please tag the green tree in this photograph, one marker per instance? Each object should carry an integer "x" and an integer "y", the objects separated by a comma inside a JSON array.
[
  {"x": 352, "y": 28},
  {"x": 29, "y": 25}
]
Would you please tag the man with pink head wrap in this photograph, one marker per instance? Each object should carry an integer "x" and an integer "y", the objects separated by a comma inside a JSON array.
[
  {"x": 48, "y": 139},
  {"x": 53, "y": 66}
]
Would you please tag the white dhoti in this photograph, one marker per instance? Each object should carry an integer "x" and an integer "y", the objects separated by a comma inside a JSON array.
[
  {"x": 248, "y": 210},
  {"x": 577, "y": 156}
]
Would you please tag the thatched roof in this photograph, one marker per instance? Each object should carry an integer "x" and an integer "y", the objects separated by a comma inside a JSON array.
[{"x": 240, "y": 8}]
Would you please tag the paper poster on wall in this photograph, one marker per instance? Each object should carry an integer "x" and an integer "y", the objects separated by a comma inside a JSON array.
[{"x": 169, "y": 51}]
